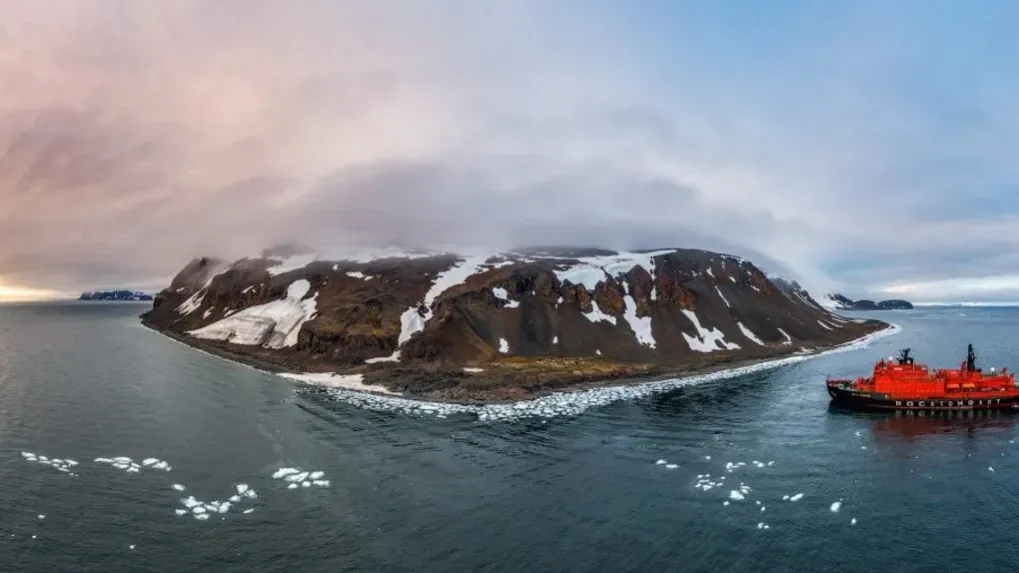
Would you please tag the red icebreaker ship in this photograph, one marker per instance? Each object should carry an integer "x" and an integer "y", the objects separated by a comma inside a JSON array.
[{"x": 902, "y": 384}]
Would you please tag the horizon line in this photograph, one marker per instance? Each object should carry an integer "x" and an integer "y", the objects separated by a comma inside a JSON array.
[{"x": 967, "y": 303}]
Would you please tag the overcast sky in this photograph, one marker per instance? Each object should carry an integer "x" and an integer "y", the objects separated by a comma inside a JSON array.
[{"x": 867, "y": 147}]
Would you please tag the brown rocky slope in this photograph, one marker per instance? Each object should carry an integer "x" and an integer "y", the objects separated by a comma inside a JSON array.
[{"x": 441, "y": 326}]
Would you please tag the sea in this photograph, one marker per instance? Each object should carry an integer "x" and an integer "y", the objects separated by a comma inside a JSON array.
[{"x": 754, "y": 473}]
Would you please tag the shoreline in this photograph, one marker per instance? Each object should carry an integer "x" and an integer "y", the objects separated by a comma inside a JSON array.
[
  {"x": 662, "y": 379},
  {"x": 572, "y": 403}
]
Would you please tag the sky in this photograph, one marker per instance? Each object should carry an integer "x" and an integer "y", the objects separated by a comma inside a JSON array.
[{"x": 861, "y": 147}]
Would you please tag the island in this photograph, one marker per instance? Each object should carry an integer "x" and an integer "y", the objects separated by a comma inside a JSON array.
[
  {"x": 492, "y": 327},
  {"x": 836, "y": 301},
  {"x": 121, "y": 295}
]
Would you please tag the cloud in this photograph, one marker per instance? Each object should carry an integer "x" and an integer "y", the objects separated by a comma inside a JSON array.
[{"x": 136, "y": 135}]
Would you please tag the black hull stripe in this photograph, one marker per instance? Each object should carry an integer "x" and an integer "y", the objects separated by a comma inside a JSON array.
[{"x": 840, "y": 396}]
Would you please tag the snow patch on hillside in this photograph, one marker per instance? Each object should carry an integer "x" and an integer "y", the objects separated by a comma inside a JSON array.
[
  {"x": 641, "y": 325},
  {"x": 748, "y": 333},
  {"x": 293, "y": 263},
  {"x": 414, "y": 318},
  {"x": 719, "y": 291},
  {"x": 502, "y": 294},
  {"x": 589, "y": 271},
  {"x": 596, "y": 314},
  {"x": 194, "y": 302},
  {"x": 707, "y": 339},
  {"x": 394, "y": 357},
  {"x": 273, "y": 325}
]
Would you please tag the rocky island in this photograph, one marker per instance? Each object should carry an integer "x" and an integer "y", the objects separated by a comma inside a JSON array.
[
  {"x": 486, "y": 328},
  {"x": 836, "y": 301},
  {"x": 121, "y": 295}
]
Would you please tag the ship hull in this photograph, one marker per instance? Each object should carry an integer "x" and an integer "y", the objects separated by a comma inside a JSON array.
[{"x": 864, "y": 400}]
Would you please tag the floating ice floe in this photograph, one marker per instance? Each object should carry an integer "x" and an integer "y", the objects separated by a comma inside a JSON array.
[
  {"x": 671, "y": 466},
  {"x": 298, "y": 477},
  {"x": 796, "y": 497},
  {"x": 852, "y": 521},
  {"x": 836, "y": 506},
  {"x": 662, "y": 463},
  {"x": 561, "y": 403},
  {"x": 61, "y": 465},
  {"x": 202, "y": 509},
  {"x": 705, "y": 482},
  {"x": 130, "y": 466}
]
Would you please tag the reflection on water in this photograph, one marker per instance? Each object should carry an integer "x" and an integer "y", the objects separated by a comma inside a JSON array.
[{"x": 898, "y": 424}]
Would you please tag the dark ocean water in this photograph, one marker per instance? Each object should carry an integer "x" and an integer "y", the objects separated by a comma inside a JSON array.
[{"x": 82, "y": 381}]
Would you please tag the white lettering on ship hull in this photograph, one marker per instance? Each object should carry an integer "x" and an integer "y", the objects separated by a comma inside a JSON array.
[{"x": 947, "y": 403}]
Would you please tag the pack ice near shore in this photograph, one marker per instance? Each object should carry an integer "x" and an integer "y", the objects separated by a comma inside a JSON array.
[{"x": 447, "y": 325}]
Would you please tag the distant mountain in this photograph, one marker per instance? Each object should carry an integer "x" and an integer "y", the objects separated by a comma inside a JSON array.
[
  {"x": 114, "y": 295},
  {"x": 836, "y": 301}
]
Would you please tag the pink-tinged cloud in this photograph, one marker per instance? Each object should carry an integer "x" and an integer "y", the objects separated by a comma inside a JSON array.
[{"x": 135, "y": 135}]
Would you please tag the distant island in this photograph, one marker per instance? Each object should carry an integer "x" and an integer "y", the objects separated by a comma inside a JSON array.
[
  {"x": 115, "y": 295},
  {"x": 836, "y": 301}
]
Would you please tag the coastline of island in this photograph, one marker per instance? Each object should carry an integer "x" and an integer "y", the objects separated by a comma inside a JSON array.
[{"x": 567, "y": 399}]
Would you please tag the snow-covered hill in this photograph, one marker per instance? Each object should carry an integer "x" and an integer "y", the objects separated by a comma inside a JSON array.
[{"x": 629, "y": 312}]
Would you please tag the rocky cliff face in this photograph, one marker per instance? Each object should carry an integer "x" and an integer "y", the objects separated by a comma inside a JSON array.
[{"x": 450, "y": 326}]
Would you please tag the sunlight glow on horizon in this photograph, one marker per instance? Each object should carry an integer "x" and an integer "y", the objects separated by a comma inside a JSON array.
[{"x": 20, "y": 294}]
